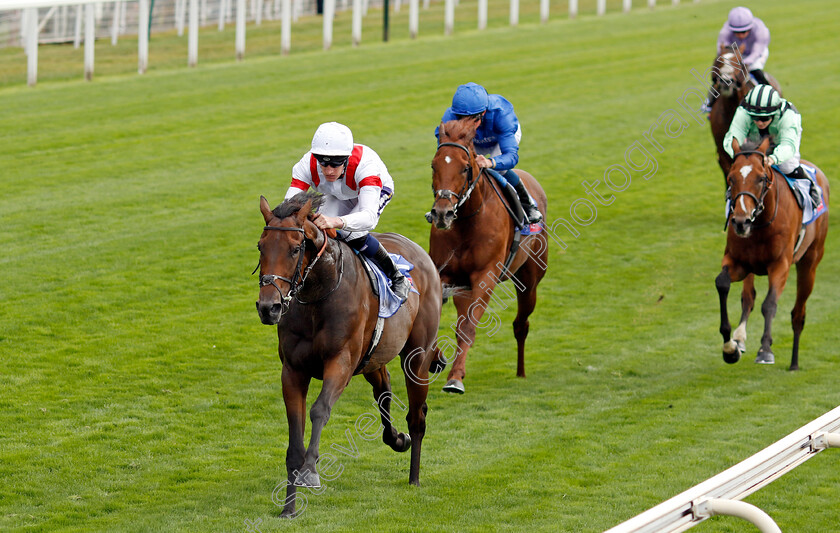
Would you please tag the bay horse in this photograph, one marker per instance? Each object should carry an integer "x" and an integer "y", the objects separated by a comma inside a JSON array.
[
  {"x": 764, "y": 239},
  {"x": 470, "y": 242},
  {"x": 731, "y": 79},
  {"x": 318, "y": 294}
]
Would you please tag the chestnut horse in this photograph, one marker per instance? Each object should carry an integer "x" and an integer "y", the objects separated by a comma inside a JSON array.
[
  {"x": 764, "y": 239},
  {"x": 318, "y": 293},
  {"x": 471, "y": 240}
]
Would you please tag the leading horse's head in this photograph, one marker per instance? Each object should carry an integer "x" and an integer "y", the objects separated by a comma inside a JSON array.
[
  {"x": 729, "y": 76},
  {"x": 454, "y": 171},
  {"x": 282, "y": 249},
  {"x": 749, "y": 180}
]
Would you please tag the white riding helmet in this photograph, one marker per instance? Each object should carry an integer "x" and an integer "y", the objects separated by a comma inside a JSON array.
[{"x": 332, "y": 138}]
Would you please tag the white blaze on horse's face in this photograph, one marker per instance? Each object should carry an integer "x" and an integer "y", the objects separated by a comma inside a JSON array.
[
  {"x": 447, "y": 159},
  {"x": 727, "y": 73},
  {"x": 745, "y": 171}
]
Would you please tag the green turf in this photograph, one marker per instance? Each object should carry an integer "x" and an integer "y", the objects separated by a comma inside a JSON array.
[{"x": 139, "y": 392}]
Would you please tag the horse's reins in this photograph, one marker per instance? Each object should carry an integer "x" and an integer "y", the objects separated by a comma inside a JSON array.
[
  {"x": 271, "y": 279},
  {"x": 466, "y": 190},
  {"x": 766, "y": 184}
]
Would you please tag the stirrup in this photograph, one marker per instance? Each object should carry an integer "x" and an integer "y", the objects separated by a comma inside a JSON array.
[
  {"x": 401, "y": 286},
  {"x": 532, "y": 214}
]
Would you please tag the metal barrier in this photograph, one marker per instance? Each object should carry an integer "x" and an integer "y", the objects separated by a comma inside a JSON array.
[{"x": 721, "y": 494}]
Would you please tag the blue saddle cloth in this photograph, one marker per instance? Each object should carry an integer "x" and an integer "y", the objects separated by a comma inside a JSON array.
[
  {"x": 801, "y": 189},
  {"x": 388, "y": 301}
]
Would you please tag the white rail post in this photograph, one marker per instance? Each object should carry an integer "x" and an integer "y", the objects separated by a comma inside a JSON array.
[
  {"x": 286, "y": 27},
  {"x": 77, "y": 36},
  {"x": 115, "y": 24},
  {"x": 31, "y": 45},
  {"x": 514, "y": 12},
  {"x": 651, "y": 4},
  {"x": 543, "y": 11},
  {"x": 482, "y": 14},
  {"x": 329, "y": 13},
  {"x": 142, "y": 36},
  {"x": 602, "y": 7},
  {"x": 627, "y": 5},
  {"x": 413, "y": 18},
  {"x": 90, "y": 37},
  {"x": 448, "y": 17},
  {"x": 222, "y": 11},
  {"x": 240, "y": 29},
  {"x": 357, "y": 22},
  {"x": 192, "y": 38},
  {"x": 573, "y": 8}
]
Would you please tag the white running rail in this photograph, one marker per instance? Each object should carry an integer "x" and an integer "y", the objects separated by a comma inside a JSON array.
[{"x": 721, "y": 494}]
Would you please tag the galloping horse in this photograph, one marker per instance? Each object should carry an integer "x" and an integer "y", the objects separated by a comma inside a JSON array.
[
  {"x": 318, "y": 294},
  {"x": 765, "y": 238},
  {"x": 731, "y": 79},
  {"x": 471, "y": 239}
]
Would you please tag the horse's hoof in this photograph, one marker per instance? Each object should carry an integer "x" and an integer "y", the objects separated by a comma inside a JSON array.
[
  {"x": 731, "y": 358},
  {"x": 765, "y": 358},
  {"x": 437, "y": 366},
  {"x": 406, "y": 443},
  {"x": 308, "y": 479},
  {"x": 453, "y": 386}
]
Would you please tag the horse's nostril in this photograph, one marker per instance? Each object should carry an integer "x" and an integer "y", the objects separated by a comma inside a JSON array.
[
  {"x": 449, "y": 214},
  {"x": 276, "y": 309}
]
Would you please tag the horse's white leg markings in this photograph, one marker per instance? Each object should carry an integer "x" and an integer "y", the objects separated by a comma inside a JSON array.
[
  {"x": 740, "y": 333},
  {"x": 730, "y": 347}
]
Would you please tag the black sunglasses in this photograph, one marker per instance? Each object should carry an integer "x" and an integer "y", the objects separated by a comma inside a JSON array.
[
  {"x": 762, "y": 119},
  {"x": 331, "y": 160}
]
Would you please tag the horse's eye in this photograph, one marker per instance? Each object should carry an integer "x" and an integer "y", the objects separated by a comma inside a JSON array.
[{"x": 295, "y": 250}]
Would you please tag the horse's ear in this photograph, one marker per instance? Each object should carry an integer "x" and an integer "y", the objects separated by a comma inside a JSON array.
[
  {"x": 441, "y": 130},
  {"x": 765, "y": 144},
  {"x": 304, "y": 212},
  {"x": 742, "y": 48},
  {"x": 722, "y": 50},
  {"x": 265, "y": 209},
  {"x": 735, "y": 146}
]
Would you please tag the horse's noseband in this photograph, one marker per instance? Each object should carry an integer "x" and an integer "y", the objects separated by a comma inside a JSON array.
[{"x": 766, "y": 184}]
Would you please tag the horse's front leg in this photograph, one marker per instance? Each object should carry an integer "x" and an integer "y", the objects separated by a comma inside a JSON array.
[
  {"x": 777, "y": 274},
  {"x": 337, "y": 374},
  {"x": 380, "y": 380},
  {"x": 747, "y": 304},
  {"x": 728, "y": 273},
  {"x": 470, "y": 307},
  {"x": 295, "y": 387}
]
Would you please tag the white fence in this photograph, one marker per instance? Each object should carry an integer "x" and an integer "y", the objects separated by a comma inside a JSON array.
[
  {"x": 721, "y": 494},
  {"x": 42, "y": 21}
]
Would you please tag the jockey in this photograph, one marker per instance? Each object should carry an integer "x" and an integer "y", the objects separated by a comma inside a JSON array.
[
  {"x": 356, "y": 188},
  {"x": 742, "y": 28},
  {"x": 496, "y": 139},
  {"x": 763, "y": 112}
]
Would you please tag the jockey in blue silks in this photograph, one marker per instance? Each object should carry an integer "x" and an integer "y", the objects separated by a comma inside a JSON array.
[{"x": 496, "y": 140}]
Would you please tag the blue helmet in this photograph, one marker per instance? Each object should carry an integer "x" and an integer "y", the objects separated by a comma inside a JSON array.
[{"x": 470, "y": 99}]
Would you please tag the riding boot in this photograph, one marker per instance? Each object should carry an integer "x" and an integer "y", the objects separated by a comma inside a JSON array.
[
  {"x": 532, "y": 213},
  {"x": 799, "y": 174},
  {"x": 759, "y": 76},
  {"x": 399, "y": 283},
  {"x": 711, "y": 98}
]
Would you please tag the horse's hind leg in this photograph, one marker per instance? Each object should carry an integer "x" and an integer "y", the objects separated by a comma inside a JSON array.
[
  {"x": 526, "y": 301},
  {"x": 380, "y": 380},
  {"x": 417, "y": 386},
  {"x": 806, "y": 271}
]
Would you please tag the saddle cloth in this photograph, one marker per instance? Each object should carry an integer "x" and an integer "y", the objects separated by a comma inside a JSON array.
[
  {"x": 531, "y": 229},
  {"x": 801, "y": 190},
  {"x": 388, "y": 301}
]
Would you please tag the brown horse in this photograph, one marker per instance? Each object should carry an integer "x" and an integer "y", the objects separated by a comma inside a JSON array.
[
  {"x": 318, "y": 294},
  {"x": 765, "y": 238},
  {"x": 731, "y": 79},
  {"x": 471, "y": 240}
]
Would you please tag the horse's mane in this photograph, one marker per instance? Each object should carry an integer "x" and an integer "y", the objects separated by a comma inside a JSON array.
[
  {"x": 297, "y": 202},
  {"x": 459, "y": 131},
  {"x": 751, "y": 145}
]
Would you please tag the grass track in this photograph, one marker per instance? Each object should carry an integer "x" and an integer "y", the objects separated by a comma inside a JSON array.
[{"x": 139, "y": 392}]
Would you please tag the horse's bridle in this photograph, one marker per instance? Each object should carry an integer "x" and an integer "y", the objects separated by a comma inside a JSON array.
[
  {"x": 298, "y": 278},
  {"x": 464, "y": 195},
  {"x": 766, "y": 184}
]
